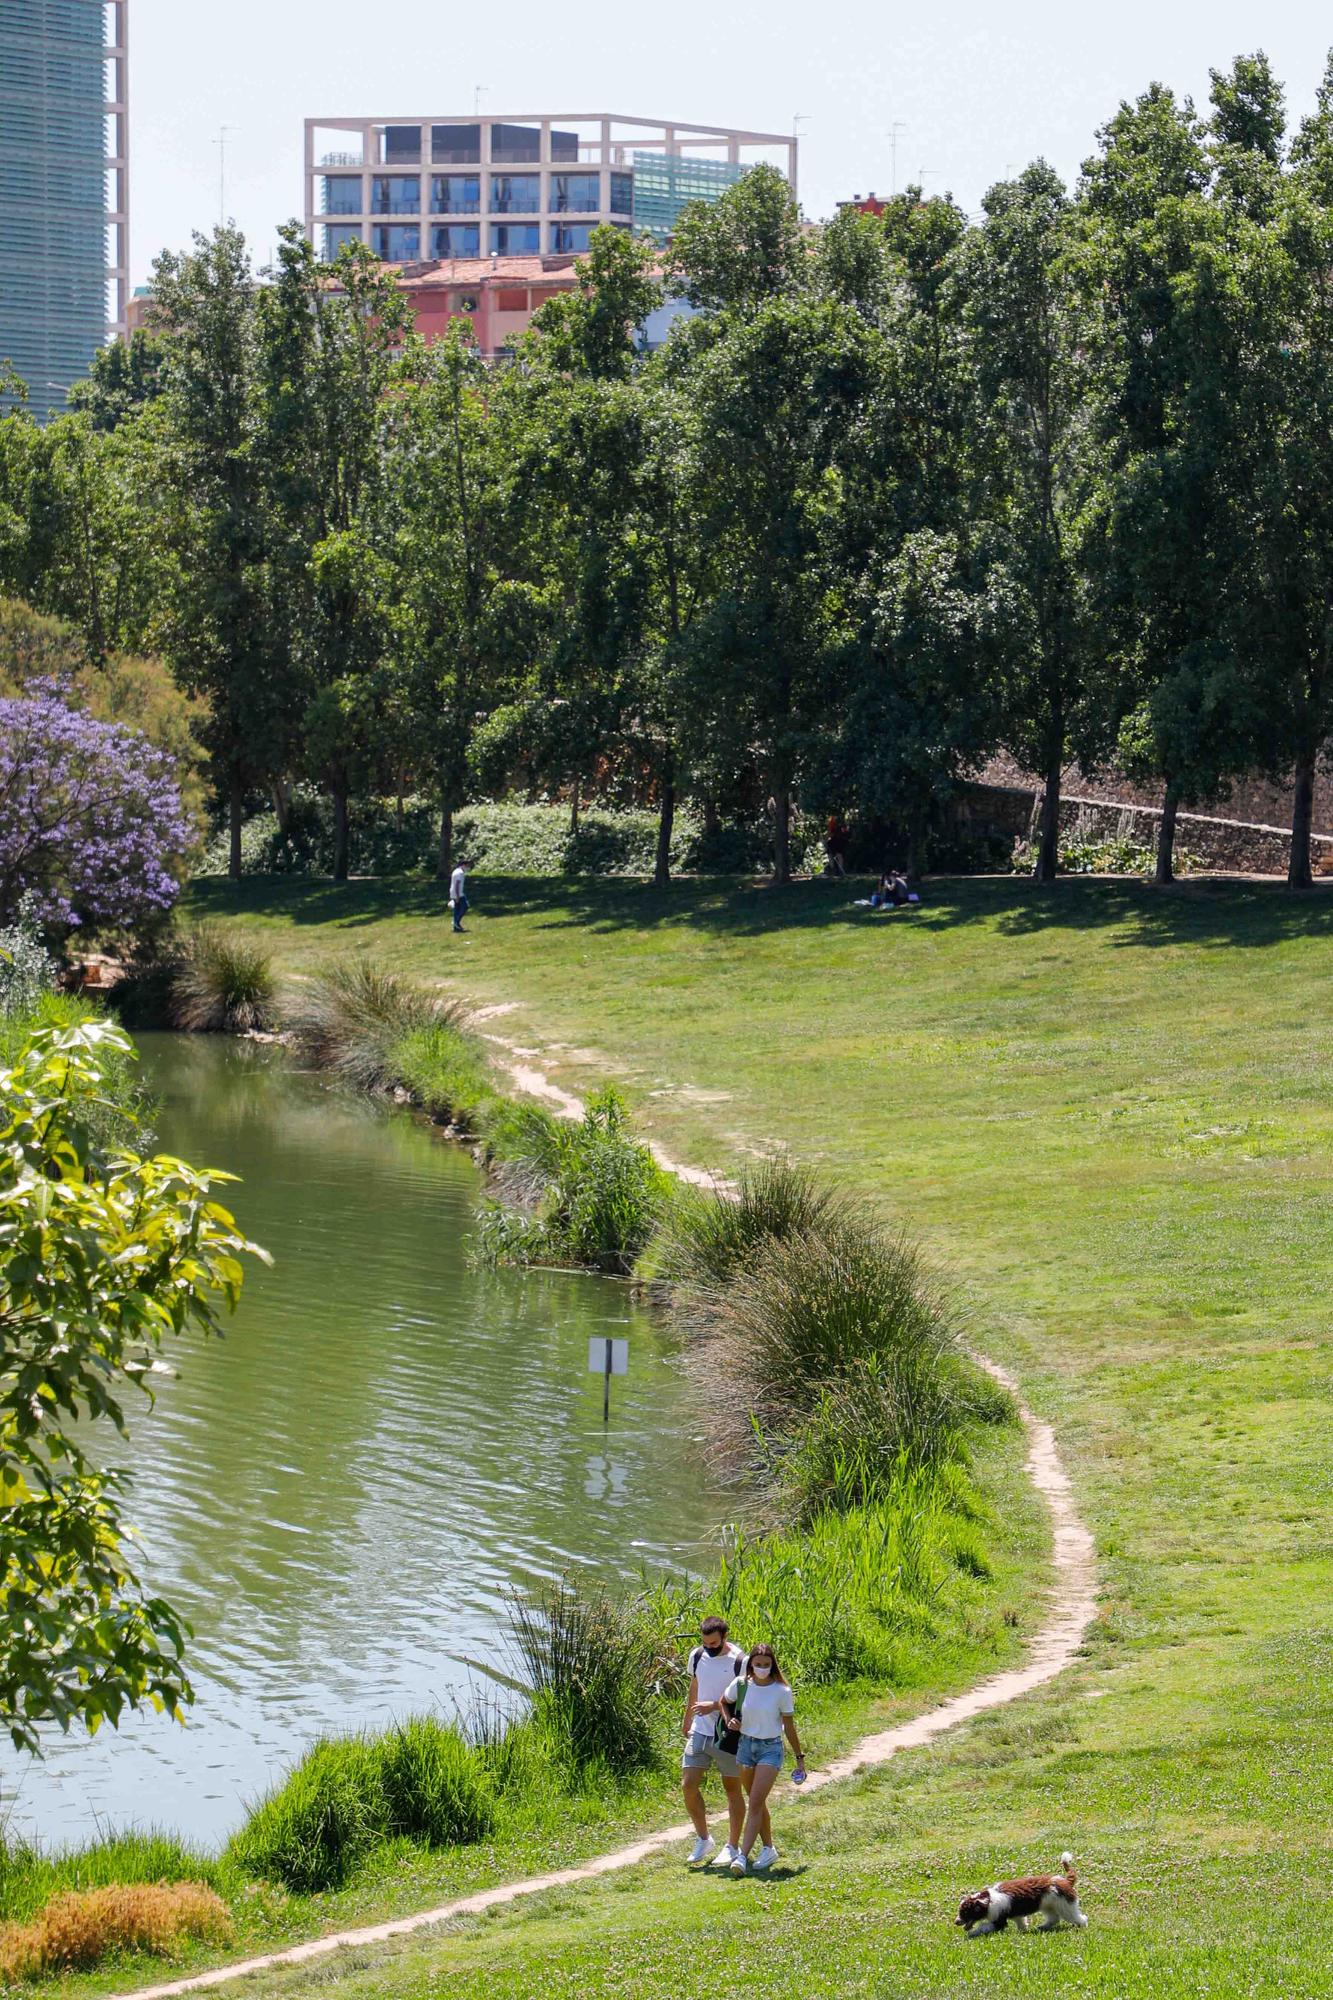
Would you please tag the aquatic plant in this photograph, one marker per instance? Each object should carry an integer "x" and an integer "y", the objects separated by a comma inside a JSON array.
[{"x": 311, "y": 1831}]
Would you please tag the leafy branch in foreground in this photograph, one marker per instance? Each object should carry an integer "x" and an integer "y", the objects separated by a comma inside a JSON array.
[{"x": 102, "y": 1255}]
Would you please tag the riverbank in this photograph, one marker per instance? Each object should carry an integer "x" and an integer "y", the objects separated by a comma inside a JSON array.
[
  {"x": 1106, "y": 1107},
  {"x": 975, "y": 1623}
]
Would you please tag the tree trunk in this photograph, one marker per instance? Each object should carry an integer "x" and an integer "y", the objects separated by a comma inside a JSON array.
[
  {"x": 1165, "y": 873},
  {"x": 341, "y": 835},
  {"x": 1299, "y": 872},
  {"x": 574, "y": 813},
  {"x": 282, "y": 802},
  {"x": 444, "y": 854},
  {"x": 712, "y": 817},
  {"x": 1048, "y": 847},
  {"x": 399, "y": 811},
  {"x": 665, "y": 823},
  {"x": 782, "y": 837},
  {"x": 235, "y": 816}
]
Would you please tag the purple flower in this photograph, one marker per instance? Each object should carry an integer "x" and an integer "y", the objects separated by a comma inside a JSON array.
[{"x": 91, "y": 820}]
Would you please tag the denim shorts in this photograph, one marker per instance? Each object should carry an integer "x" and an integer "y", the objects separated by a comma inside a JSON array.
[{"x": 759, "y": 1750}]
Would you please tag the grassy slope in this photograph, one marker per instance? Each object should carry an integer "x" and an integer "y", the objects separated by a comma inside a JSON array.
[{"x": 1110, "y": 1111}]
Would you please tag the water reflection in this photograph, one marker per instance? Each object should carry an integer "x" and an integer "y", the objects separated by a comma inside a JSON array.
[{"x": 340, "y": 1494}]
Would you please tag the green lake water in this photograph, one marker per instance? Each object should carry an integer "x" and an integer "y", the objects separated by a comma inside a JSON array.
[{"x": 341, "y": 1493}]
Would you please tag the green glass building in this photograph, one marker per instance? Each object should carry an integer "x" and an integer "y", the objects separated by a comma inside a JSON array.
[
  {"x": 63, "y": 181},
  {"x": 665, "y": 183}
]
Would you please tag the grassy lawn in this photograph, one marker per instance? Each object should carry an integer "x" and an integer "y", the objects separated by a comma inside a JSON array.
[{"x": 1109, "y": 1112}]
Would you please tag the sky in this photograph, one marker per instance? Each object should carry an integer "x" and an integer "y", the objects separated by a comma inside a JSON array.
[{"x": 976, "y": 88}]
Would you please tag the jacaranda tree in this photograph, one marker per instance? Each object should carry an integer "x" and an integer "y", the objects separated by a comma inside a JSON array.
[{"x": 92, "y": 828}]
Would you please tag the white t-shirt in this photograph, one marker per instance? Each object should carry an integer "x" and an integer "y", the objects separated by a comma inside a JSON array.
[
  {"x": 764, "y": 1706},
  {"x": 457, "y": 886},
  {"x": 712, "y": 1677}
]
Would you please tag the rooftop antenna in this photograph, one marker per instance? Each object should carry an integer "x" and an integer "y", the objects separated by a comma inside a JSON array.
[
  {"x": 477, "y": 90},
  {"x": 894, "y": 129},
  {"x": 221, "y": 143}
]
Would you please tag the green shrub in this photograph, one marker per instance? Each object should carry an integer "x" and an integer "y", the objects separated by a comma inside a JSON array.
[
  {"x": 590, "y": 1673},
  {"x": 435, "y": 1783},
  {"x": 219, "y": 983},
  {"x": 599, "y": 1192},
  {"x": 314, "y": 1830},
  {"x": 353, "y": 1014}
]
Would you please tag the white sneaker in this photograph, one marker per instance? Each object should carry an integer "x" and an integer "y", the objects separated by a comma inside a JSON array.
[
  {"x": 738, "y": 1865},
  {"x": 766, "y": 1857},
  {"x": 728, "y": 1855},
  {"x": 702, "y": 1849}
]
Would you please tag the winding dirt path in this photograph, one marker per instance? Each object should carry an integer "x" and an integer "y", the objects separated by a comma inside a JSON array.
[{"x": 1072, "y": 1607}]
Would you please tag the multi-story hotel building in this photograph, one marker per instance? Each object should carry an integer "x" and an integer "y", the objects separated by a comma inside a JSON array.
[
  {"x": 64, "y": 188},
  {"x": 429, "y": 189}
]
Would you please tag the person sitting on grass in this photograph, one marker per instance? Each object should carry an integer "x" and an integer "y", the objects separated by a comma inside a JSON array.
[
  {"x": 713, "y": 1666},
  {"x": 761, "y": 1700}
]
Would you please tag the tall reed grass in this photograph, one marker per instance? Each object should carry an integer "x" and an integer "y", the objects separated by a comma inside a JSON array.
[
  {"x": 592, "y": 1678},
  {"x": 353, "y": 1014},
  {"x": 707, "y": 1239}
]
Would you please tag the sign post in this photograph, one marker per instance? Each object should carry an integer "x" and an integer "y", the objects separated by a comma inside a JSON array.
[{"x": 607, "y": 1357}]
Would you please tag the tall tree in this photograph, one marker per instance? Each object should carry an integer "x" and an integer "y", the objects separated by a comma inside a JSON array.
[
  {"x": 1025, "y": 309},
  {"x": 218, "y": 623}
]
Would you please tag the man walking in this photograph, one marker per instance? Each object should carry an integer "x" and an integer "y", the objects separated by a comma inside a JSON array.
[
  {"x": 713, "y": 1665},
  {"x": 458, "y": 894}
]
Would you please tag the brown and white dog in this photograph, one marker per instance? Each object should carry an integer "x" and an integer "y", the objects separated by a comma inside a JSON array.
[{"x": 1053, "y": 1898}]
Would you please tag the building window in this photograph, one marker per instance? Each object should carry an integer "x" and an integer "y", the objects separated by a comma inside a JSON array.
[
  {"x": 579, "y": 194},
  {"x": 516, "y": 144},
  {"x": 396, "y": 242},
  {"x": 455, "y": 239},
  {"x": 395, "y": 194},
  {"x": 455, "y": 194},
  {"x": 516, "y": 194},
  {"x": 570, "y": 236},
  {"x": 342, "y": 194},
  {"x": 400, "y": 145},
  {"x": 622, "y": 194},
  {"x": 455, "y": 145},
  {"x": 336, "y": 234},
  {"x": 515, "y": 239}
]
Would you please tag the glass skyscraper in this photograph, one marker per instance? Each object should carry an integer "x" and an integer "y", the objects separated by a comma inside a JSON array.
[
  {"x": 63, "y": 188},
  {"x": 665, "y": 183}
]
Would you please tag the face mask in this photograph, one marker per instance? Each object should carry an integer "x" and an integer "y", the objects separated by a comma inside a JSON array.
[
  {"x": 709, "y": 1647},
  {"x": 761, "y": 1673}
]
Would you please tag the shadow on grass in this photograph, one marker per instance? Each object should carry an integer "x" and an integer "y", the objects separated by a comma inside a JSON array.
[{"x": 1209, "y": 913}]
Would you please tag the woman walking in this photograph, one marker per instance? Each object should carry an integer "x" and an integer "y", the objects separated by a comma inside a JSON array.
[{"x": 761, "y": 1700}]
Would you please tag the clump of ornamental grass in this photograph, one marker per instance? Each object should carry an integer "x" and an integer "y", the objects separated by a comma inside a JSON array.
[
  {"x": 708, "y": 1237},
  {"x": 316, "y": 1828},
  {"x": 436, "y": 1787},
  {"x": 833, "y": 1326},
  {"x": 353, "y": 1013},
  {"x": 219, "y": 983},
  {"x": 588, "y": 1193},
  {"x": 84, "y": 1926},
  {"x": 443, "y": 1067},
  {"x": 591, "y": 1677}
]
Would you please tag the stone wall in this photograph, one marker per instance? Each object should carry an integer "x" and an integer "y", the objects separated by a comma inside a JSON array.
[
  {"x": 1240, "y": 846},
  {"x": 1251, "y": 801}
]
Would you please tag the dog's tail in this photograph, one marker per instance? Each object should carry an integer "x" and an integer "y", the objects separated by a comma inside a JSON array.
[{"x": 1067, "y": 1868}]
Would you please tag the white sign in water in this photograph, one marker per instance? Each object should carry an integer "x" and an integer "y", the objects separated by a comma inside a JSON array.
[{"x": 607, "y": 1357}]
